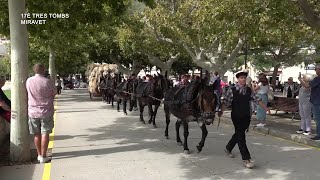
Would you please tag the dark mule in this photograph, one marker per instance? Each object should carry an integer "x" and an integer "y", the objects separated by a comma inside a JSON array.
[
  {"x": 195, "y": 102},
  {"x": 149, "y": 94},
  {"x": 110, "y": 90},
  {"x": 123, "y": 93}
]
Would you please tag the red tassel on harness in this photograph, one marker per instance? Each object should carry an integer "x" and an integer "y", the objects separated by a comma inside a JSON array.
[{"x": 7, "y": 116}]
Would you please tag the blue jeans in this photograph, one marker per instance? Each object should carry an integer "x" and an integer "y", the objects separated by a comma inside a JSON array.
[
  {"x": 217, "y": 92},
  {"x": 316, "y": 114}
]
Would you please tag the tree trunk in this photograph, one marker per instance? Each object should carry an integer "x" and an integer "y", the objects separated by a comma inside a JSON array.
[
  {"x": 202, "y": 61},
  {"x": 19, "y": 136},
  {"x": 164, "y": 66},
  {"x": 122, "y": 69},
  {"x": 52, "y": 60},
  {"x": 274, "y": 75},
  {"x": 136, "y": 67}
]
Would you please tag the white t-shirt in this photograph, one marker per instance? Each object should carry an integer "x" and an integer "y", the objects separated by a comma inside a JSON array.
[{"x": 263, "y": 89}]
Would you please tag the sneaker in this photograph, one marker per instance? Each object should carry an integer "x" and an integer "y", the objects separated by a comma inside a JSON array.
[
  {"x": 307, "y": 133},
  {"x": 248, "y": 163},
  {"x": 300, "y": 131},
  {"x": 228, "y": 153},
  {"x": 260, "y": 125},
  {"x": 39, "y": 157},
  {"x": 316, "y": 138},
  {"x": 44, "y": 159}
]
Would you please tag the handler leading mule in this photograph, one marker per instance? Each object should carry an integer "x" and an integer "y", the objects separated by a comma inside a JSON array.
[{"x": 195, "y": 102}]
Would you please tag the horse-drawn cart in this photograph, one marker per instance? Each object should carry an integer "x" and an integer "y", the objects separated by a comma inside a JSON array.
[
  {"x": 96, "y": 76},
  {"x": 94, "y": 93}
]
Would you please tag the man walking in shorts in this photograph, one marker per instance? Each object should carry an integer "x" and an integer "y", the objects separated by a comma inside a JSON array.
[{"x": 41, "y": 92}]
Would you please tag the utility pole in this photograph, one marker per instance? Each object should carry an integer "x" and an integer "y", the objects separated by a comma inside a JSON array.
[{"x": 19, "y": 136}]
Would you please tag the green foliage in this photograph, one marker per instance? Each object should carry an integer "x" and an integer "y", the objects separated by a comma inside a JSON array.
[
  {"x": 5, "y": 66},
  {"x": 182, "y": 66},
  {"x": 4, "y": 18},
  {"x": 7, "y": 93}
]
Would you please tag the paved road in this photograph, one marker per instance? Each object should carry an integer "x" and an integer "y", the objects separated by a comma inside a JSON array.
[{"x": 94, "y": 141}]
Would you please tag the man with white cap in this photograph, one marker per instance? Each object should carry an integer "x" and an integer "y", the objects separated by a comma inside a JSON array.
[{"x": 239, "y": 98}]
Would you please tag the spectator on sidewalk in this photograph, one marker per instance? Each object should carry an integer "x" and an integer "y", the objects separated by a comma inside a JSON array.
[
  {"x": 305, "y": 105},
  {"x": 216, "y": 83},
  {"x": 262, "y": 92},
  {"x": 253, "y": 105},
  {"x": 248, "y": 79},
  {"x": 41, "y": 92},
  {"x": 315, "y": 100},
  {"x": 290, "y": 89},
  {"x": 58, "y": 85},
  {"x": 239, "y": 98},
  {"x": 5, "y": 103}
]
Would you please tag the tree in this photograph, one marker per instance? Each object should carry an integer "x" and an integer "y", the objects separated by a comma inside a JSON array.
[
  {"x": 312, "y": 18},
  {"x": 133, "y": 37},
  {"x": 281, "y": 38},
  {"x": 210, "y": 32},
  {"x": 19, "y": 136}
]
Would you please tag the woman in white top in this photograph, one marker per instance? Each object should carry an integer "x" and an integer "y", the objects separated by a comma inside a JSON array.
[
  {"x": 262, "y": 92},
  {"x": 305, "y": 105}
]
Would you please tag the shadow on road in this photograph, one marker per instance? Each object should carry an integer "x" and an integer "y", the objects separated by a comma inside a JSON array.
[{"x": 275, "y": 159}]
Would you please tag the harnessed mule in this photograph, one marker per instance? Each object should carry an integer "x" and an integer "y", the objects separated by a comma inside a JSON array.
[
  {"x": 195, "y": 102},
  {"x": 151, "y": 93},
  {"x": 110, "y": 90},
  {"x": 123, "y": 92}
]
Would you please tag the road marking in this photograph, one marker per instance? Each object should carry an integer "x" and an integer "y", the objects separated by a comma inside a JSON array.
[
  {"x": 47, "y": 166},
  {"x": 279, "y": 138}
]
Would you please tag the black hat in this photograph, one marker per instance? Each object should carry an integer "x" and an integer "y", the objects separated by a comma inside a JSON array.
[{"x": 241, "y": 73}]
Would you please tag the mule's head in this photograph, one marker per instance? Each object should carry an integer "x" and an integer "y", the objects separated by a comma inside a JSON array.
[
  {"x": 161, "y": 82},
  {"x": 207, "y": 102}
]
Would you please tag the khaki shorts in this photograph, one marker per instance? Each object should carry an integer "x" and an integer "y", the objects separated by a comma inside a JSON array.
[{"x": 41, "y": 125}]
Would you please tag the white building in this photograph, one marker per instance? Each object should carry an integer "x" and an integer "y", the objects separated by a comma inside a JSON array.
[{"x": 283, "y": 72}]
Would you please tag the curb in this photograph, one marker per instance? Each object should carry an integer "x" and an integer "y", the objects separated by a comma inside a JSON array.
[{"x": 278, "y": 133}]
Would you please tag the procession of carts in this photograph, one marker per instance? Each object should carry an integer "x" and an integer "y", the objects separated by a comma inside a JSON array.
[{"x": 96, "y": 73}]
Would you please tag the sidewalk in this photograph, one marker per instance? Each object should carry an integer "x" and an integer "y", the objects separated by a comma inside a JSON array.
[{"x": 280, "y": 125}]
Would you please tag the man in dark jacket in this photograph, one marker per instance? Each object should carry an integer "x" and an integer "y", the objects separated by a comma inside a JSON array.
[{"x": 239, "y": 98}]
